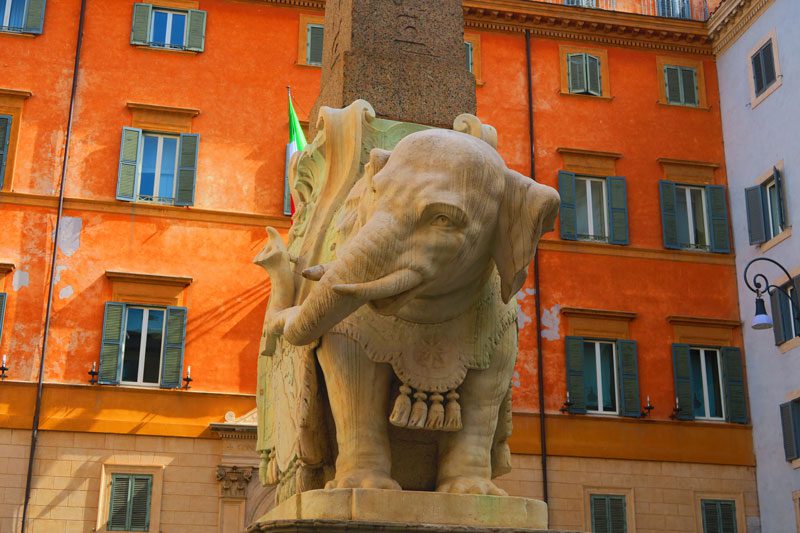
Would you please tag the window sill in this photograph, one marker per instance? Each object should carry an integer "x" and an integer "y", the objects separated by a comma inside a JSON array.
[
  {"x": 776, "y": 240},
  {"x": 19, "y": 34},
  {"x": 796, "y": 464},
  {"x": 680, "y": 106},
  {"x": 789, "y": 345},
  {"x": 165, "y": 49},
  {"x": 755, "y": 100},
  {"x": 592, "y": 96},
  {"x": 309, "y": 65}
]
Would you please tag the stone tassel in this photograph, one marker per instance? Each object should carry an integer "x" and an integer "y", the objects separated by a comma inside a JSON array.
[
  {"x": 402, "y": 407},
  {"x": 452, "y": 412},
  {"x": 419, "y": 413},
  {"x": 435, "y": 413},
  {"x": 272, "y": 469}
]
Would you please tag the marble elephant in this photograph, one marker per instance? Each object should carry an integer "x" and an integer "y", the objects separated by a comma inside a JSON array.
[{"x": 416, "y": 314}]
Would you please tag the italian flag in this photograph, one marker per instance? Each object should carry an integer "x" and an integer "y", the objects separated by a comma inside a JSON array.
[{"x": 297, "y": 141}]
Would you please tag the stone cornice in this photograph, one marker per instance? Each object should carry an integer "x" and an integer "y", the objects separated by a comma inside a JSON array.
[{"x": 731, "y": 19}]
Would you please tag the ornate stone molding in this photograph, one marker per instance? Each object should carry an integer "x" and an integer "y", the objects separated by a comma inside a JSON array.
[
  {"x": 732, "y": 19},
  {"x": 233, "y": 480}
]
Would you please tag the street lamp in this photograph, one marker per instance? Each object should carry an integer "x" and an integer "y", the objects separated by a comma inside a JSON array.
[{"x": 761, "y": 285}]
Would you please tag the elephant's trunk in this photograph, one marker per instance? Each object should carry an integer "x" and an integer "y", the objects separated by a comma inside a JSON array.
[{"x": 364, "y": 270}]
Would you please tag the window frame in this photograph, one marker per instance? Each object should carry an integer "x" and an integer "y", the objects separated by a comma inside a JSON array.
[
  {"x": 157, "y": 178},
  {"x": 773, "y": 210},
  {"x": 672, "y": 4},
  {"x": 170, "y": 15},
  {"x": 129, "y": 501},
  {"x": 700, "y": 81},
  {"x": 702, "y": 517},
  {"x": 681, "y": 87},
  {"x": 704, "y": 382},
  {"x": 143, "y": 346},
  {"x": 104, "y": 496},
  {"x": 585, "y": 72},
  {"x": 591, "y": 236},
  {"x": 598, "y": 372},
  {"x": 690, "y": 218},
  {"x": 308, "y": 28},
  {"x": 757, "y": 98}
]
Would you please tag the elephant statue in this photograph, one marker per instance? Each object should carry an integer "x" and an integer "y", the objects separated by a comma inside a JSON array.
[{"x": 412, "y": 321}]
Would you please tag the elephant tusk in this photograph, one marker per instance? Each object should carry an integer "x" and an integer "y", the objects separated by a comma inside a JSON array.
[
  {"x": 315, "y": 272},
  {"x": 390, "y": 285}
]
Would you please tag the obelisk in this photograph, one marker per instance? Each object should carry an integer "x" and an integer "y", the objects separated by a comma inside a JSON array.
[{"x": 405, "y": 57}]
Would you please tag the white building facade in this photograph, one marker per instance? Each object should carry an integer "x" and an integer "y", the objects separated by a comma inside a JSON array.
[{"x": 758, "y": 59}]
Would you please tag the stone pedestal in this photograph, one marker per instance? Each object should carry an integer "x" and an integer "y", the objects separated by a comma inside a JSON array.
[
  {"x": 406, "y": 58},
  {"x": 390, "y": 510}
]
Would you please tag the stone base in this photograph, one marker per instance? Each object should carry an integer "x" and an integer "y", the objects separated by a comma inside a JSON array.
[{"x": 391, "y": 510}]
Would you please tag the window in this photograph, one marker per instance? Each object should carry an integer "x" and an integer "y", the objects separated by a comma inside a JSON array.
[
  {"x": 681, "y": 85},
  {"x": 719, "y": 516},
  {"x": 129, "y": 505},
  {"x": 5, "y": 140},
  {"x": 680, "y": 9},
  {"x": 694, "y": 217},
  {"x": 22, "y": 16},
  {"x": 142, "y": 345},
  {"x": 764, "y": 73},
  {"x": 166, "y": 28},
  {"x": 709, "y": 383},
  {"x": 785, "y": 319},
  {"x": 608, "y": 513},
  {"x": 581, "y": 3},
  {"x": 602, "y": 376},
  {"x": 766, "y": 217},
  {"x": 790, "y": 424},
  {"x": 469, "y": 57},
  {"x": 583, "y": 72},
  {"x": 156, "y": 167},
  {"x": 593, "y": 209},
  {"x": 3, "y": 298},
  {"x": 314, "y": 41}
]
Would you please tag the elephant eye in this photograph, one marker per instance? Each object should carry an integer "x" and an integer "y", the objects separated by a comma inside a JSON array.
[{"x": 441, "y": 221}]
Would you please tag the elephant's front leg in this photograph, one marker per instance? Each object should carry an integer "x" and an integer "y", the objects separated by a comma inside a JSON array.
[
  {"x": 358, "y": 390},
  {"x": 465, "y": 456}
]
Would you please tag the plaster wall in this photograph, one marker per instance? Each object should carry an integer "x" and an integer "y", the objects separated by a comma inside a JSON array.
[{"x": 755, "y": 140}]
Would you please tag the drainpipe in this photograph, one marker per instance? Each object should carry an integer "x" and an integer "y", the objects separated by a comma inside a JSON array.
[
  {"x": 46, "y": 332},
  {"x": 536, "y": 284}
]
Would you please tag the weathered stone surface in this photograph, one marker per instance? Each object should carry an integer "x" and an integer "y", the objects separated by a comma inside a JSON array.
[
  {"x": 386, "y": 510},
  {"x": 405, "y": 57},
  {"x": 339, "y": 526}
]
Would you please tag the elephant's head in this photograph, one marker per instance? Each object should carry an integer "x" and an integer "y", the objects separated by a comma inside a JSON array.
[{"x": 433, "y": 217}]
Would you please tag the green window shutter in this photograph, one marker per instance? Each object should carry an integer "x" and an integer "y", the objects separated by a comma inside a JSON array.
[
  {"x": 129, "y": 152},
  {"x": 719, "y": 516},
  {"x": 140, "y": 28},
  {"x": 733, "y": 381},
  {"x": 768, "y": 60},
  {"x": 469, "y": 56},
  {"x": 593, "y": 82},
  {"x": 672, "y": 79},
  {"x": 669, "y": 215},
  {"x": 778, "y": 178},
  {"x": 758, "y": 73},
  {"x": 575, "y": 384},
  {"x": 600, "y": 519},
  {"x": 755, "y": 201},
  {"x": 628, "y": 379},
  {"x": 689, "y": 86},
  {"x": 718, "y": 219},
  {"x": 187, "y": 168},
  {"x": 727, "y": 513},
  {"x": 683, "y": 381},
  {"x": 608, "y": 514},
  {"x": 5, "y": 137},
  {"x": 3, "y": 298},
  {"x": 790, "y": 424},
  {"x": 111, "y": 349},
  {"x": 576, "y": 73},
  {"x": 141, "y": 490},
  {"x": 119, "y": 504},
  {"x": 617, "y": 210},
  {"x": 34, "y": 16},
  {"x": 315, "y": 34},
  {"x": 568, "y": 214},
  {"x": 196, "y": 32},
  {"x": 781, "y": 327},
  {"x": 174, "y": 344}
]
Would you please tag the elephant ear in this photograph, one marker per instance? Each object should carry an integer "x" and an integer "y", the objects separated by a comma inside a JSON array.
[
  {"x": 361, "y": 196},
  {"x": 527, "y": 210}
]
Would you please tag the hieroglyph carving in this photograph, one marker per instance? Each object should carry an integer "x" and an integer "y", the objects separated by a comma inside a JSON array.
[{"x": 397, "y": 289}]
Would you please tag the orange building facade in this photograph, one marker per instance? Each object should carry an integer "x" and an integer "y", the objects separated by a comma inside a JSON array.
[{"x": 211, "y": 111}]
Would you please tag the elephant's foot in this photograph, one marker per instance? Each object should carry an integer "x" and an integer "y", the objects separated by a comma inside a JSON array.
[
  {"x": 363, "y": 479},
  {"x": 469, "y": 485}
]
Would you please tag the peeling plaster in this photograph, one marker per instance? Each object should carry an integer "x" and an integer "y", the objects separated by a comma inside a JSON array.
[
  {"x": 21, "y": 279},
  {"x": 523, "y": 318},
  {"x": 59, "y": 270},
  {"x": 515, "y": 380},
  {"x": 69, "y": 237},
  {"x": 66, "y": 292},
  {"x": 551, "y": 320}
]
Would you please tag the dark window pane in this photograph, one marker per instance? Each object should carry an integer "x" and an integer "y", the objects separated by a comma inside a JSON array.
[
  {"x": 598, "y": 209},
  {"x": 768, "y": 60},
  {"x": 133, "y": 343},
  {"x": 698, "y": 403},
  {"x": 178, "y": 26},
  {"x": 590, "y": 376},
  {"x": 713, "y": 384},
  {"x": 152, "y": 350},
  {"x": 147, "y": 180},
  {"x": 582, "y": 207},
  {"x": 682, "y": 215},
  {"x": 159, "y": 35},
  {"x": 166, "y": 183},
  {"x": 774, "y": 215},
  {"x": 17, "y": 16},
  {"x": 698, "y": 215},
  {"x": 607, "y": 375}
]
